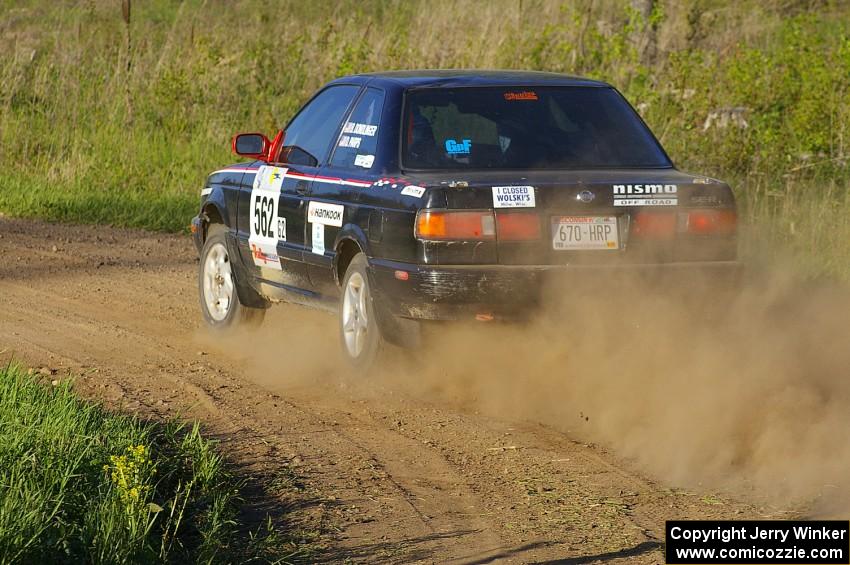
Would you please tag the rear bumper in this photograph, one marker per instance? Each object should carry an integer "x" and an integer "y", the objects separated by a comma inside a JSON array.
[{"x": 508, "y": 291}]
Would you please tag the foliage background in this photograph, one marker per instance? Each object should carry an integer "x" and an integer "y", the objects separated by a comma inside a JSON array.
[{"x": 105, "y": 122}]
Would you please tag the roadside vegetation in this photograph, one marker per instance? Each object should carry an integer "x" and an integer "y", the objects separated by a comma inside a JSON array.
[
  {"x": 79, "y": 484},
  {"x": 116, "y": 121}
]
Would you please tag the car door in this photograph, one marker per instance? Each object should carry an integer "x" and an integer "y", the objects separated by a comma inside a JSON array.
[
  {"x": 339, "y": 185},
  {"x": 272, "y": 213}
]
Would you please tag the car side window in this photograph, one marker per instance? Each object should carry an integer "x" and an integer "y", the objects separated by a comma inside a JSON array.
[
  {"x": 358, "y": 141},
  {"x": 309, "y": 135}
]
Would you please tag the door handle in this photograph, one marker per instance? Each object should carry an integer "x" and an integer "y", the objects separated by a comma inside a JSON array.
[{"x": 301, "y": 187}]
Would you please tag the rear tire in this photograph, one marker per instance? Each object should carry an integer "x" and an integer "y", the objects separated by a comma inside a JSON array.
[
  {"x": 220, "y": 304},
  {"x": 359, "y": 331}
]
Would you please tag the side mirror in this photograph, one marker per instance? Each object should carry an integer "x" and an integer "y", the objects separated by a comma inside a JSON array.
[{"x": 254, "y": 145}]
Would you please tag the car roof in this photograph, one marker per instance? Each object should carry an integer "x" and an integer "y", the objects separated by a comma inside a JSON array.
[{"x": 447, "y": 78}]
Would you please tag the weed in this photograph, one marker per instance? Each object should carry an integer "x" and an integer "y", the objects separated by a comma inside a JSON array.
[
  {"x": 753, "y": 92},
  {"x": 79, "y": 484}
]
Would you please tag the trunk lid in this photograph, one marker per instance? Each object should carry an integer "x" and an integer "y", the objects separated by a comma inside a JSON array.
[{"x": 648, "y": 208}]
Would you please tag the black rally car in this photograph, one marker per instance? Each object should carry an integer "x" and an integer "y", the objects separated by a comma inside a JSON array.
[{"x": 402, "y": 197}]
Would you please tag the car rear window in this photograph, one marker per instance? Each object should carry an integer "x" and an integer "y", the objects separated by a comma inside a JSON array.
[{"x": 525, "y": 128}]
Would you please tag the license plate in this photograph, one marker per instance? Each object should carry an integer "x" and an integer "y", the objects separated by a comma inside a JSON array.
[{"x": 585, "y": 232}]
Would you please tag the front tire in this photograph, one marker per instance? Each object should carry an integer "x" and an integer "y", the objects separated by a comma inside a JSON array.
[
  {"x": 220, "y": 304},
  {"x": 359, "y": 331}
]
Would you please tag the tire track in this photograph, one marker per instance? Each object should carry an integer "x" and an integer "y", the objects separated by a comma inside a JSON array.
[{"x": 387, "y": 477}]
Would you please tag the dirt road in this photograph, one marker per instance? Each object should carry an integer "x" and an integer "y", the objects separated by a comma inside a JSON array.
[{"x": 381, "y": 472}]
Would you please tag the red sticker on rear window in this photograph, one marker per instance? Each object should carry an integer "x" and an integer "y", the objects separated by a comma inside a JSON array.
[{"x": 524, "y": 95}]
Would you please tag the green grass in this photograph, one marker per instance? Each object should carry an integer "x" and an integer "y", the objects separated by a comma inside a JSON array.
[
  {"x": 84, "y": 139},
  {"x": 80, "y": 484}
]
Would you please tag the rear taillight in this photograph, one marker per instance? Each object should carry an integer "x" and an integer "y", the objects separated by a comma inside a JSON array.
[
  {"x": 657, "y": 225},
  {"x": 475, "y": 225},
  {"x": 711, "y": 222},
  {"x": 661, "y": 225},
  {"x": 517, "y": 226}
]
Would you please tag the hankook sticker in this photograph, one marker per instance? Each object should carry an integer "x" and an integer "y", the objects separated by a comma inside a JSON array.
[{"x": 326, "y": 214}]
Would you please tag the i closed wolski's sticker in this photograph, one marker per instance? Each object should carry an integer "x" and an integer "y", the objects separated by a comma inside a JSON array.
[{"x": 513, "y": 197}]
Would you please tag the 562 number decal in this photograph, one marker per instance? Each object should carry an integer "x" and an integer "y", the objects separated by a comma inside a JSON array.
[
  {"x": 264, "y": 216},
  {"x": 266, "y": 227}
]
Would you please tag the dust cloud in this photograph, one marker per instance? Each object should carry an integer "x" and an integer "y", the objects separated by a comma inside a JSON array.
[
  {"x": 295, "y": 346},
  {"x": 698, "y": 385},
  {"x": 745, "y": 391}
]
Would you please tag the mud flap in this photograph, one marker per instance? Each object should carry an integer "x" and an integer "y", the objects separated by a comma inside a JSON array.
[
  {"x": 248, "y": 296},
  {"x": 397, "y": 331}
]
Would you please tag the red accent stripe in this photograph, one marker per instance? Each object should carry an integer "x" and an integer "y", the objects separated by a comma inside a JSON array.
[
  {"x": 359, "y": 182},
  {"x": 330, "y": 179},
  {"x": 299, "y": 176}
]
